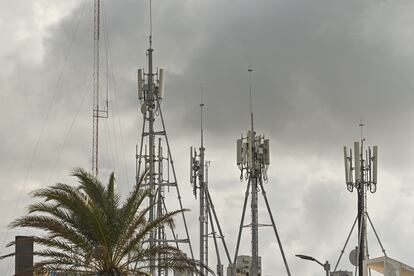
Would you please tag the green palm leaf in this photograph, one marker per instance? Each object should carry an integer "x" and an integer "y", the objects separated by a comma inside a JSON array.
[{"x": 87, "y": 230}]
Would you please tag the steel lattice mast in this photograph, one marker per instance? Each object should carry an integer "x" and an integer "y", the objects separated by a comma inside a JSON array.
[
  {"x": 253, "y": 159},
  {"x": 159, "y": 165},
  {"x": 207, "y": 216},
  {"x": 96, "y": 113}
]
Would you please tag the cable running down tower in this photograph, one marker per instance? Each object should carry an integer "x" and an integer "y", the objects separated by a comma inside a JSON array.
[
  {"x": 253, "y": 159},
  {"x": 208, "y": 216},
  {"x": 151, "y": 156}
]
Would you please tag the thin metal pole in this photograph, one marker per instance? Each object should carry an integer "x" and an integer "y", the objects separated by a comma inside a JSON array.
[
  {"x": 201, "y": 218},
  {"x": 246, "y": 197},
  {"x": 175, "y": 179},
  {"x": 376, "y": 235},
  {"x": 95, "y": 111},
  {"x": 151, "y": 145},
  {"x": 275, "y": 229},
  {"x": 361, "y": 209},
  {"x": 219, "y": 271},
  {"x": 218, "y": 226},
  {"x": 202, "y": 200},
  {"x": 254, "y": 268},
  {"x": 346, "y": 243},
  {"x": 138, "y": 170},
  {"x": 359, "y": 262}
]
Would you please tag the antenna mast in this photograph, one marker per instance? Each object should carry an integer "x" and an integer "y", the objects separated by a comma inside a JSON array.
[
  {"x": 361, "y": 174},
  {"x": 199, "y": 180},
  {"x": 151, "y": 156},
  {"x": 96, "y": 113},
  {"x": 253, "y": 159}
]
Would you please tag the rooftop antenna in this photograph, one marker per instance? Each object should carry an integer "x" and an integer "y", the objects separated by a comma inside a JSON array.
[
  {"x": 361, "y": 174},
  {"x": 154, "y": 155},
  {"x": 97, "y": 112},
  {"x": 253, "y": 159},
  {"x": 208, "y": 217}
]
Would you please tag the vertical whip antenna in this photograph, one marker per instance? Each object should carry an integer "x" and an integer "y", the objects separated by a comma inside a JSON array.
[
  {"x": 361, "y": 125},
  {"x": 150, "y": 23},
  {"x": 201, "y": 116},
  {"x": 250, "y": 70}
]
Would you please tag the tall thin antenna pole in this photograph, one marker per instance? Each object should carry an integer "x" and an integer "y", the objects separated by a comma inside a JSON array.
[
  {"x": 95, "y": 112},
  {"x": 201, "y": 117},
  {"x": 202, "y": 182},
  {"x": 150, "y": 23},
  {"x": 361, "y": 125},
  {"x": 253, "y": 159},
  {"x": 150, "y": 94},
  {"x": 250, "y": 70},
  {"x": 207, "y": 215}
]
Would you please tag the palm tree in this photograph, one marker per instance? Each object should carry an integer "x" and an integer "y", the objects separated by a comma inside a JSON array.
[{"x": 87, "y": 230}]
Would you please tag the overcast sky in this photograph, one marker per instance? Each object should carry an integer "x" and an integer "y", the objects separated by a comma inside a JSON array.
[{"x": 319, "y": 66}]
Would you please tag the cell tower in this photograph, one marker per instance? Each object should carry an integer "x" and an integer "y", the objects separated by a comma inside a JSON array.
[
  {"x": 253, "y": 159},
  {"x": 208, "y": 216},
  {"x": 151, "y": 156},
  {"x": 361, "y": 175},
  {"x": 97, "y": 112}
]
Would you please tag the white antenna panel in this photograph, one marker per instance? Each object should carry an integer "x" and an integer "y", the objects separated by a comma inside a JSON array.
[
  {"x": 160, "y": 163},
  {"x": 348, "y": 167},
  {"x": 239, "y": 151},
  {"x": 357, "y": 161},
  {"x": 346, "y": 163},
  {"x": 245, "y": 150},
  {"x": 250, "y": 148},
  {"x": 191, "y": 165},
  {"x": 140, "y": 84},
  {"x": 266, "y": 152},
  {"x": 161, "y": 84},
  {"x": 375, "y": 165}
]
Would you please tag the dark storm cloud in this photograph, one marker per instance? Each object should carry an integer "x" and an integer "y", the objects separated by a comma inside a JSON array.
[{"x": 319, "y": 66}]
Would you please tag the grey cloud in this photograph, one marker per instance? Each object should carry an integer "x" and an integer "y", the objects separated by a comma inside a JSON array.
[{"x": 318, "y": 67}]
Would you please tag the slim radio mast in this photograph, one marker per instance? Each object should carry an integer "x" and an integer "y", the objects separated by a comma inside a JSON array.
[
  {"x": 208, "y": 216},
  {"x": 253, "y": 159},
  {"x": 151, "y": 156},
  {"x": 96, "y": 113},
  {"x": 361, "y": 174}
]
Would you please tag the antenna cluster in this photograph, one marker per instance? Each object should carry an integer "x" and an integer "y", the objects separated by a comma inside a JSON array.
[
  {"x": 360, "y": 169},
  {"x": 197, "y": 169},
  {"x": 253, "y": 160},
  {"x": 148, "y": 93},
  {"x": 253, "y": 155},
  {"x": 151, "y": 160},
  {"x": 361, "y": 166}
]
